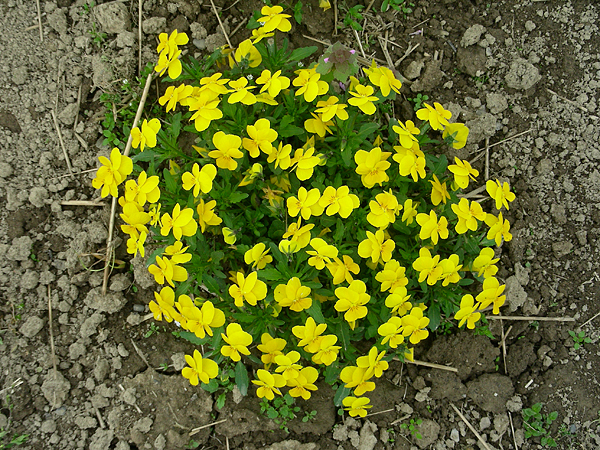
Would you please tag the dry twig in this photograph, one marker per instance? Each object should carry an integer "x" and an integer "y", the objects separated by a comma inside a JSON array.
[
  {"x": 62, "y": 143},
  {"x": 197, "y": 430},
  {"x": 428, "y": 364},
  {"x": 82, "y": 203},
  {"x": 532, "y": 318},
  {"x": 139, "y": 38},
  {"x": 464, "y": 419},
  {"x": 113, "y": 206},
  {"x": 52, "y": 350},
  {"x": 39, "y": 17},
  {"x": 362, "y": 50},
  {"x": 140, "y": 354},
  {"x": 221, "y": 23},
  {"x": 408, "y": 52}
]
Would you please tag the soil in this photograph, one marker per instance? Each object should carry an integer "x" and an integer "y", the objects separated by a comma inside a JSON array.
[{"x": 524, "y": 77}]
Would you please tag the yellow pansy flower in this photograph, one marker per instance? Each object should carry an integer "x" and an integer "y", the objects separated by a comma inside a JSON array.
[
  {"x": 112, "y": 173},
  {"x": 199, "y": 179},
  {"x": 203, "y": 369}
]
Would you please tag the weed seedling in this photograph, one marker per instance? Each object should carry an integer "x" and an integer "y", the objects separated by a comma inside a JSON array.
[
  {"x": 309, "y": 415},
  {"x": 281, "y": 410},
  {"x": 152, "y": 330},
  {"x": 412, "y": 427},
  {"x": 354, "y": 17},
  {"x": 579, "y": 339},
  {"x": 418, "y": 101},
  {"x": 97, "y": 37},
  {"x": 537, "y": 424}
]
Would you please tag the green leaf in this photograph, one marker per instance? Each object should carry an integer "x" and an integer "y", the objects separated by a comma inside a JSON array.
[
  {"x": 170, "y": 181},
  {"x": 367, "y": 129},
  {"x": 433, "y": 313},
  {"x": 341, "y": 393},
  {"x": 221, "y": 400},
  {"x": 339, "y": 230},
  {"x": 241, "y": 378},
  {"x": 236, "y": 197},
  {"x": 332, "y": 373},
  {"x": 301, "y": 53},
  {"x": 211, "y": 387},
  {"x": 270, "y": 274},
  {"x": 315, "y": 311},
  {"x": 147, "y": 155},
  {"x": 286, "y": 129},
  {"x": 191, "y": 337},
  {"x": 298, "y": 12}
]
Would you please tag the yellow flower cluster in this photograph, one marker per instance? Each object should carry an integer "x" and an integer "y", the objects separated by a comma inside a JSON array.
[{"x": 245, "y": 155}]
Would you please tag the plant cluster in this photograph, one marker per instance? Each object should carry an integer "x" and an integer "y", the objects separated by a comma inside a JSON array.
[
  {"x": 300, "y": 220},
  {"x": 537, "y": 424},
  {"x": 579, "y": 339}
]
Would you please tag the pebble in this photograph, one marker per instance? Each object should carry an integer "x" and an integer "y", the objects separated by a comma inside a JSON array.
[{"x": 32, "y": 326}]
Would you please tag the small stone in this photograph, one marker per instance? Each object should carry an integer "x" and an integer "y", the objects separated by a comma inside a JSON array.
[
  {"x": 68, "y": 114},
  {"x": 32, "y": 326},
  {"x": 154, "y": 25},
  {"x": 48, "y": 426},
  {"x": 562, "y": 248},
  {"x": 20, "y": 250},
  {"x": 414, "y": 70},
  {"x": 522, "y": 75},
  {"x": 76, "y": 350},
  {"x": 529, "y": 26},
  {"x": 38, "y": 196},
  {"x": 6, "y": 169},
  {"x": 30, "y": 280},
  {"x": 368, "y": 440},
  {"x": 178, "y": 361},
  {"x": 501, "y": 422},
  {"x": 85, "y": 422},
  {"x": 143, "y": 425},
  {"x": 454, "y": 435},
  {"x": 496, "y": 103},
  {"x": 472, "y": 35},
  {"x": 119, "y": 282},
  {"x": 57, "y": 20},
  {"x": 20, "y": 75},
  {"x": 160, "y": 442},
  {"x": 429, "y": 431},
  {"x": 101, "y": 370},
  {"x": 139, "y": 308},
  {"x": 515, "y": 294},
  {"x": 113, "y": 17},
  {"x": 90, "y": 325},
  {"x": 484, "y": 423},
  {"x": 55, "y": 388},
  {"x": 110, "y": 303},
  {"x": 101, "y": 439}
]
